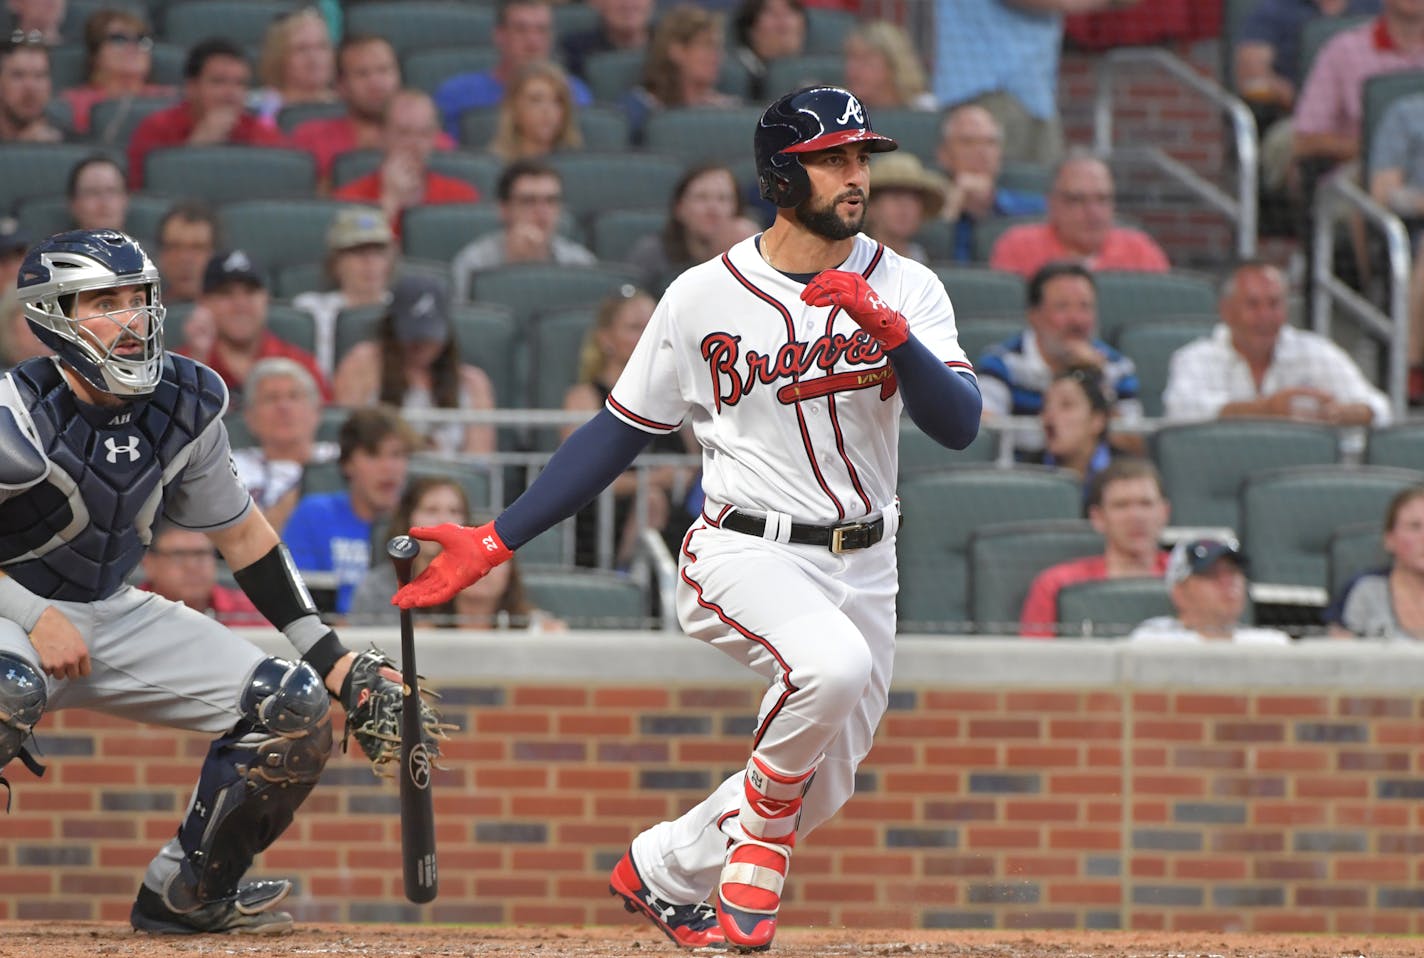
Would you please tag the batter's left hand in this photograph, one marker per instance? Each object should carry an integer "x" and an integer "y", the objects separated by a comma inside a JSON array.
[
  {"x": 466, "y": 556},
  {"x": 850, "y": 291}
]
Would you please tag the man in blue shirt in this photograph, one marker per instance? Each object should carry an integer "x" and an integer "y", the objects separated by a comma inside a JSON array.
[
  {"x": 523, "y": 33},
  {"x": 971, "y": 153},
  {"x": 329, "y": 533}
]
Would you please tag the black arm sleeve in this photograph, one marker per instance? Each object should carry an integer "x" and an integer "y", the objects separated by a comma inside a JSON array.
[{"x": 945, "y": 404}]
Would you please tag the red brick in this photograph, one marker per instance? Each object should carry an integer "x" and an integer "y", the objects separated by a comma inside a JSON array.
[
  {"x": 1085, "y": 729},
  {"x": 1086, "y": 893},
  {"x": 1292, "y": 760},
  {"x": 967, "y": 756},
  {"x": 1181, "y": 786},
  {"x": 985, "y": 837},
  {"x": 350, "y": 886},
  {"x": 512, "y": 886},
  {"x": 1040, "y": 867},
  {"x": 1292, "y": 706},
  {"x": 836, "y": 891},
  {"x": 1100, "y": 756},
  {"x": 1102, "y": 840},
  {"x": 1083, "y": 783},
  {"x": 346, "y": 831},
  {"x": 884, "y": 753},
  {"x": 525, "y": 914},
  {"x": 547, "y": 805},
  {"x": 960, "y": 700},
  {"x": 594, "y": 723},
  {"x": 633, "y": 699},
  {"x": 717, "y": 752},
  {"x": 1371, "y": 816},
  {"x": 1102, "y": 702},
  {"x": 922, "y": 893},
  {"x": 509, "y": 777},
  {"x": 842, "y": 837},
  {"x": 1213, "y": 706},
  {"x": 1147, "y": 866},
  {"x": 601, "y": 779},
  {"x": 555, "y": 696},
  {"x": 115, "y": 746},
  {"x": 100, "y": 773},
  {"x": 1099, "y": 813},
  {"x": 1024, "y": 811},
  {"x": 1169, "y": 730},
  {"x": 879, "y": 809},
  {"x": 1035, "y": 701},
  {"x": 1151, "y": 702},
  {"x": 739, "y": 698},
  {"x": 1387, "y": 870},
  {"x": 1209, "y": 869},
  {"x": 921, "y": 726},
  {"x": 887, "y": 863},
  {"x": 998, "y": 729},
  {"x": 921, "y": 783},
  {"x": 1289, "y": 813},
  {"x": 1338, "y": 786},
  {"x": 512, "y": 723},
  {"x": 547, "y": 860},
  {"x": 1040, "y": 756}
]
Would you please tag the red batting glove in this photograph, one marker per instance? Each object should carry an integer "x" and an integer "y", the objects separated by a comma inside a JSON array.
[
  {"x": 850, "y": 291},
  {"x": 466, "y": 557}
]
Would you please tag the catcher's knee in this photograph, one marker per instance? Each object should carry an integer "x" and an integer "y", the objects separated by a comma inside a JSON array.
[
  {"x": 289, "y": 701},
  {"x": 22, "y": 701}
]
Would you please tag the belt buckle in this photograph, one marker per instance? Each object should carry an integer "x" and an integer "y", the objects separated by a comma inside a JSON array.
[{"x": 858, "y": 534}]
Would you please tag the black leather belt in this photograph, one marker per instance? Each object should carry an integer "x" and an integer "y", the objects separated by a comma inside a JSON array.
[{"x": 844, "y": 537}]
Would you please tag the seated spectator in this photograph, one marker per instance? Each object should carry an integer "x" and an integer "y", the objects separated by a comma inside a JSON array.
[
  {"x": 1081, "y": 208},
  {"x": 531, "y": 204},
  {"x": 971, "y": 153},
  {"x": 215, "y": 78},
  {"x": 683, "y": 64},
  {"x": 98, "y": 198},
  {"x": 187, "y": 239},
  {"x": 523, "y": 33},
  {"x": 1076, "y": 418},
  {"x": 1207, "y": 579},
  {"x": 883, "y": 70},
  {"x": 1266, "y": 64},
  {"x": 367, "y": 77},
  {"x": 536, "y": 116},
  {"x": 414, "y": 364},
  {"x": 360, "y": 262},
  {"x": 1126, "y": 503},
  {"x": 38, "y": 20},
  {"x": 1388, "y": 603},
  {"x": 235, "y": 302},
  {"x": 1329, "y": 112},
  {"x": 703, "y": 216},
  {"x": 903, "y": 195},
  {"x": 766, "y": 30},
  {"x": 281, "y": 406},
  {"x": 1396, "y": 181},
  {"x": 118, "y": 57},
  {"x": 181, "y": 566},
  {"x": 494, "y": 602},
  {"x": 25, "y": 92},
  {"x": 606, "y": 350},
  {"x": 329, "y": 533},
  {"x": 1255, "y": 363},
  {"x": 297, "y": 64},
  {"x": 622, "y": 25},
  {"x": 1061, "y": 334},
  {"x": 404, "y": 178},
  {"x": 18, "y": 341}
]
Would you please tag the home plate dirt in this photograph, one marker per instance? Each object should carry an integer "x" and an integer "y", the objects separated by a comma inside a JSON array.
[{"x": 87, "y": 939}]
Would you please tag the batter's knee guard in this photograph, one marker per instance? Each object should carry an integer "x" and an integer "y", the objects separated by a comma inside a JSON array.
[
  {"x": 749, "y": 889},
  {"x": 22, "y": 702},
  {"x": 252, "y": 781}
]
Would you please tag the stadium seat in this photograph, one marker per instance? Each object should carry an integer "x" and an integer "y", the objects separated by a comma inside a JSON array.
[
  {"x": 1125, "y": 298},
  {"x": 531, "y": 288},
  {"x": 555, "y": 343},
  {"x": 1005, "y": 557},
  {"x": 173, "y": 319},
  {"x": 113, "y": 121},
  {"x": 1289, "y": 515},
  {"x": 144, "y": 215},
  {"x": 292, "y": 325},
  {"x": 917, "y": 131},
  {"x": 47, "y": 215},
  {"x": 279, "y": 232},
  {"x": 1401, "y": 444},
  {"x": 587, "y": 598},
  {"x": 478, "y": 169},
  {"x": 594, "y": 182},
  {"x": 941, "y": 512},
  {"x": 244, "y": 22},
  {"x": 826, "y": 29},
  {"x": 1204, "y": 463},
  {"x": 1110, "y": 608},
  {"x": 937, "y": 237},
  {"x": 612, "y": 73},
  {"x": 1380, "y": 92},
  {"x": 294, "y": 115},
  {"x": 38, "y": 169},
  {"x": 792, "y": 73},
  {"x": 294, "y": 279},
  {"x": 977, "y": 335},
  {"x": 701, "y": 134},
  {"x": 354, "y": 325},
  {"x": 571, "y": 18},
  {"x": 66, "y": 66},
  {"x": 988, "y": 231},
  {"x": 1026, "y": 178},
  {"x": 1317, "y": 32},
  {"x": 976, "y": 292},
  {"x": 616, "y": 232},
  {"x": 553, "y": 547},
  {"x": 168, "y": 60},
  {"x": 473, "y": 479},
  {"x": 488, "y": 338},
  {"x": 921, "y": 454},
  {"x": 1355, "y": 548},
  {"x": 439, "y": 231},
  {"x": 425, "y": 68},
  {"x": 602, "y": 127},
  {"x": 223, "y": 174},
  {"x": 1150, "y": 347},
  {"x": 418, "y": 25}
]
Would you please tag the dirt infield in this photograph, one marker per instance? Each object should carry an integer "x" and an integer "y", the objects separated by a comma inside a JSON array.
[{"x": 75, "y": 939}]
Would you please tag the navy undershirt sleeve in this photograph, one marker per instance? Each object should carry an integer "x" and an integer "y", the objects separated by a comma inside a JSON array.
[
  {"x": 945, "y": 404},
  {"x": 597, "y": 453}
]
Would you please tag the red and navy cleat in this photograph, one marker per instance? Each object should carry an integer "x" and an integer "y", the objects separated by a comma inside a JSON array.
[
  {"x": 689, "y": 926},
  {"x": 749, "y": 893}
]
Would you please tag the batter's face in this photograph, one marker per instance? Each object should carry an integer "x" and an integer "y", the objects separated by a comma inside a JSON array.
[{"x": 840, "y": 184}]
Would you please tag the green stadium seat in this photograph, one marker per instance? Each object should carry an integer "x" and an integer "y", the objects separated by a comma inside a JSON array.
[
  {"x": 1203, "y": 464},
  {"x": 1150, "y": 347},
  {"x": 439, "y": 231},
  {"x": 977, "y": 292},
  {"x": 1026, "y": 178},
  {"x": 826, "y": 29},
  {"x": 1317, "y": 32},
  {"x": 921, "y": 454},
  {"x": 489, "y": 338},
  {"x": 47, "y": 215},
  {"x": 612, "y": 73},
  {"x": 1289, "y": 515},
  {"x": 917, "y": 131},
  {"x": 792, "y": 73},
  {"x": 290, "y": 281},
  {"x": 602, "y": 127},
  {"x": 571, "y": 18},
  {"x": 987, "y": 233},
  {"x": 224, "y": 174},
  {"x": 587, "y": 598},
  {"x": 701, "y": 134},
  {"x": 594, "y": 182},
  {"x": 475, "y": 480},
  {"x": 279, "y": 232},
  {"x": 977, "y": 335},
  {"x": 1380, "y": 94},
  {"x": 292, "y": 325},
  {"x": 1111, "y": 608},
  {"x": 354, "y": 325},
  {"x": 1005, "y": 557},
  {"x": 113, "y": 121},
  {"x": 941, "y": 512},
  {"x": 425, "y": 68},
  {"x": 1401, "y": 444},
  {"x": 168, "y": 61},
  {"x": 244, "y": 22},
  {"x": 1354, "y": 548},
  {"x": 616, "y": 232},
  {"x": 294, "y": 115},
  {"x": 1125, "y": 298},
  {"x": 38, "y": 169},
  {"x": 66, "y": 66},
  {"x": 531, "y": 288},
  {"x": 412, "y": 25},
  {"x": 555, "y": 343}
]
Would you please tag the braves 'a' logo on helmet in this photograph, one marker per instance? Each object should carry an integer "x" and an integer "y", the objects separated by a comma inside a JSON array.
[{"x": 853, "y": 111}]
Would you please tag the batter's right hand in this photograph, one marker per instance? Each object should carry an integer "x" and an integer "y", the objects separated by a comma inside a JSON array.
[
  {"x": 466, "y": 556},
  {"x": 63, "y": 654}
]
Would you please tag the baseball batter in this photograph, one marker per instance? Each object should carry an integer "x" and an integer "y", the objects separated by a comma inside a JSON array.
[
  {"x": 792, "y": 354},
  {"x": 98, "y": 444}
]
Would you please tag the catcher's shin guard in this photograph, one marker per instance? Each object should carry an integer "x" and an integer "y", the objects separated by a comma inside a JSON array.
[
  {"x": 252, "y": 782},
  {"x": 749, "y": 890}
]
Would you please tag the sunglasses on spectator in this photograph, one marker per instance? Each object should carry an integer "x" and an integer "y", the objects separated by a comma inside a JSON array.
[
  {"x": 141, "y": 40},
  {"x": 28, "y": 38}
]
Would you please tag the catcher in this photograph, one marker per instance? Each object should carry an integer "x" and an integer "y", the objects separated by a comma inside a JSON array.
[{"x": 98, "y": 444}]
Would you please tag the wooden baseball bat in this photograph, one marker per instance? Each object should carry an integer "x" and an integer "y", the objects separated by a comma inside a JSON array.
[{"x": 417, "y": 810}]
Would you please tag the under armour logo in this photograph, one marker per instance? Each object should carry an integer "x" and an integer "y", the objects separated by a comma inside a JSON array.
[
  {"x": 852, "y": 111},
  {"x": 875, "y": 301},
  {"x": 114, "y": 449}
]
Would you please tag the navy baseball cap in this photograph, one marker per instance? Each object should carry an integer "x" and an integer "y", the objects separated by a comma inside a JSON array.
[
  {"x": 1198, "y": 555},
  {"x": 420, "y": 309},
  {"x": 230, "y": 266}
]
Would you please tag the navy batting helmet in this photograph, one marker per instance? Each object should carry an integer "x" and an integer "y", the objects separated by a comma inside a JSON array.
[
  {"x": 813, "y": 118},
  {"x": 80, "y": 260}
]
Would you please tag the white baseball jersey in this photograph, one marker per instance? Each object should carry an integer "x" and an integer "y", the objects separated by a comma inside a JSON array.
[{"x": 795, "y": 407}]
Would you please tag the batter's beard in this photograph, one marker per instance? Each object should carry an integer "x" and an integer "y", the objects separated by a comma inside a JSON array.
[{"x": 826, "y": 223}]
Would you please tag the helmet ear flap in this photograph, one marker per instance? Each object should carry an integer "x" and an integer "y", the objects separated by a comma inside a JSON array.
[{"x": 784, "y": 181}]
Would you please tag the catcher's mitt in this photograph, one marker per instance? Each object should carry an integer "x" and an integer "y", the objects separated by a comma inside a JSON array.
[{"x": 373, "y": 713}]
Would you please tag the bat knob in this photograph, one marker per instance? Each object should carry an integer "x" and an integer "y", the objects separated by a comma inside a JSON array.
[{"x": 402, "y": 547}]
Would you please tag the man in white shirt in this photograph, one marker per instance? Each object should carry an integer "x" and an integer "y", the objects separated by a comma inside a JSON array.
[
  {"x": 1255, "y": 364},
  {"x": 1208, "y": 582}
]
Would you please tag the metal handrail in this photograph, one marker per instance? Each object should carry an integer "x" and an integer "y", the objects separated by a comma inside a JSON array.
[
  {"x": 1336, "y": 198},
  {"x": 1242, "y": 209}
]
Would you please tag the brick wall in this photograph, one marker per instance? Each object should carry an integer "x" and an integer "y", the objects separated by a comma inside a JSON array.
[{"x": 1032, "y": 803}]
